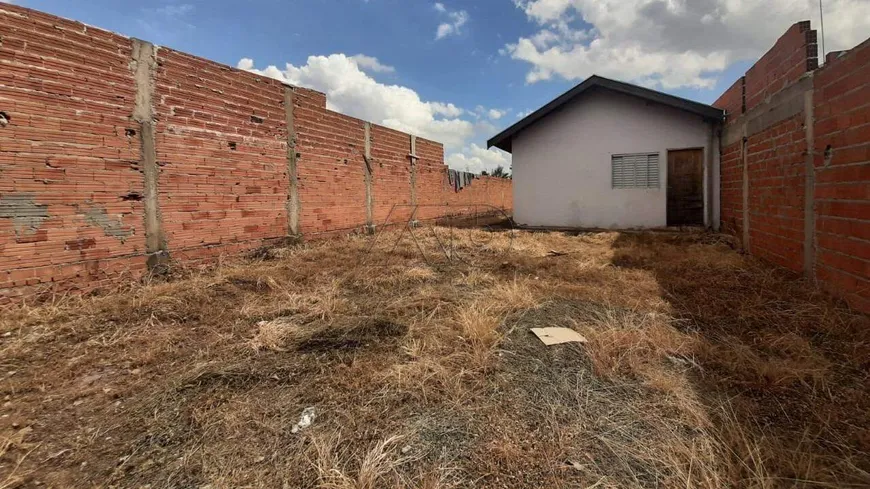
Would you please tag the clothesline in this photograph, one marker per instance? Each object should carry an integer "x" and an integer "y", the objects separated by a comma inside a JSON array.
[{"x": 460, "y": 179}]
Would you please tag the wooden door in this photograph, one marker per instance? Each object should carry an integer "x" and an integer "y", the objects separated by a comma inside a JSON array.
[{"x": 686, "y": 187}]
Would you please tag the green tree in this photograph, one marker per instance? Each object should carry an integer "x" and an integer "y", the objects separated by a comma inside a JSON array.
[{"x": 500, "y": 172}]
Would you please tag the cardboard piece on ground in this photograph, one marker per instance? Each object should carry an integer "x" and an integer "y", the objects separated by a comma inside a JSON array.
[{"x": 556, "y": 336}]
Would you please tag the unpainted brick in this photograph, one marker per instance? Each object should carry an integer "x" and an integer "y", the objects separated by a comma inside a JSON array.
[
  {"x": 776, "y": 162},
  {"x": 72, "y": 197}
]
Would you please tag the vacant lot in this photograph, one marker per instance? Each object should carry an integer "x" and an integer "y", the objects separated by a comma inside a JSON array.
[{"x": 703, "y": 368}]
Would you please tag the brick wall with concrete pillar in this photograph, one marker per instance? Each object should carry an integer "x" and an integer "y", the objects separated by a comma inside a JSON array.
[
  {"x": 783, "y": 192},
  {"x": 119, "y": 158}
]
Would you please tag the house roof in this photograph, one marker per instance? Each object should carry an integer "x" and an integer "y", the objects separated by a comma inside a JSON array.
[{"x": 503, "y": 139}]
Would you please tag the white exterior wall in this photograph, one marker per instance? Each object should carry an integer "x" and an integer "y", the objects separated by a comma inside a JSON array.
[{"x": 561, "y": 164}]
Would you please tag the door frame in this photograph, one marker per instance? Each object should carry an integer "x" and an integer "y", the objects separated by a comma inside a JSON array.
[{"x": 704, "y": 176}]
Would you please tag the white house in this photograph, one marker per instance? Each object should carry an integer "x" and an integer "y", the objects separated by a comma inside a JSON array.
[{"x": 608, "y": 154}]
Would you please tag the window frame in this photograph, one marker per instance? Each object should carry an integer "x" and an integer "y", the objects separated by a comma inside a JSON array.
[{"x": 644, "y": 179}]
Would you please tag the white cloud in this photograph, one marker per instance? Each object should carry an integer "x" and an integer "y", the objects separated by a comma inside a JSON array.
[
  {"x": 448, "y": 110},
  {"x": 443, "y": 31},
  {"x": 371, "y": 63},
  {"x": 175, "y": 10},
  {"x": 669, "y": 43},
  {"x": 165, "y": 24},
  {"x": 455, "y": 20},
  {"x": 476, "y": 159},
  {"x": 542, "y": 40},
  {"x": 481, "y": 112},
  {"x": 351, "y": 91},
  {"x": 486, "y": 128},
  {"x": 246, "y": 64}
]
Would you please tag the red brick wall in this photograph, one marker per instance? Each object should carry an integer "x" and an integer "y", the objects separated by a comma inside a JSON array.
[
  {"x": 330, "y": 167},
  {"x": 331, "y": 171},
  {"x": 221, "y": 145},
  {"x": 72, "y": 185},
  {"x": 731, "y": 101},
  {"x": 731, "y": 162},
  {"x": 777, "y": 152},
  {"x": 731, "y": 181},
  {"x": 391, "y": 169},
  {"x": 793, "y": 54},
  {"x": 68, "y": 169},
  {"x": 434, "y": 188},
  {"x": 775, "y": 155},
  {"x": 841, "y": 102},
  {"x": 775, "y": 164}
]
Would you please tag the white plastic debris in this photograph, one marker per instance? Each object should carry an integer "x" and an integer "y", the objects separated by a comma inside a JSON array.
[{"x": 308, "y": 416}]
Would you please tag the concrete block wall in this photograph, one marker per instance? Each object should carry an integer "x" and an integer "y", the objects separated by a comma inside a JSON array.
[
  {"x": 118, "y": 157},
  {"x": 786, "y": 192}
]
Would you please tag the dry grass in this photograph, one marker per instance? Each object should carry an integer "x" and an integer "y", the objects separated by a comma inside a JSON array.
[{"x": 704, "y": 368}]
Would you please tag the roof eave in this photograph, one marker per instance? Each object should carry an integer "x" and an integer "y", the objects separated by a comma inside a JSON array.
[
  {"x": 502, "y": 144},
  {"x": 503, "y": 139}
]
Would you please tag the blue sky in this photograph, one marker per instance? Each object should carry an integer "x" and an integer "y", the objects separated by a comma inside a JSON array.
[{"x": 487, "y": 58}]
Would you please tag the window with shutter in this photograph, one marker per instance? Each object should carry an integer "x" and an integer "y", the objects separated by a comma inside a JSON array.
[{"x": 638, "y": 170}]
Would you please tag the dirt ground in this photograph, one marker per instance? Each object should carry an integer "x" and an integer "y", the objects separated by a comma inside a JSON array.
[{"x": 703, "y": 368}]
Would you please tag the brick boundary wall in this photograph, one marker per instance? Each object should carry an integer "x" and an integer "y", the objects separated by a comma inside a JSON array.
[
  {"x": 795, "y": 171},
  {"x": 841, "y": 159},
  {"x": 118, "y": 156}
]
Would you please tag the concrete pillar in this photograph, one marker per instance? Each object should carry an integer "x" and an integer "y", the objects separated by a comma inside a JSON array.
[
  {"x": 367, "y": 156},
  {"x": 717, "y": 176},
  {"x": 413, "y": 156},
  {"x": 744, "y": 157},
  {"x": 293, "y": 229},
  {"x": 809, "y": 188},
  {"x": 708, "y": 177},
  {"x": 143, "y": 65}
]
